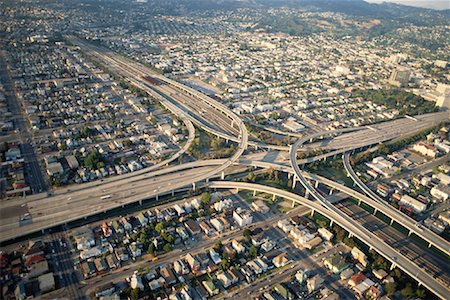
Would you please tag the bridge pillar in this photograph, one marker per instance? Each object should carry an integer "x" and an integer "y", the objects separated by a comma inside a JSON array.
[
  {"x": 193, "y": 186},
  {"x": 140, "y": 202},
  {"x": 331, "y": 192},
  {"x": 307, "y": 194},
  {"x": 222, "y": 176},
  {"x": 359, "y": 202},
  {"x": 409, "y": 233},
  {"x": 293, "y": 182},
  {"x": 429, "y": 245},
  {"x": 237, "y": 190},
  {"x": 293, "y": 204},
  {"x": 375, "y": 211},
  {"x": 226, "y": 141},
  {"x": 254, "y": 193},
  {"x": 207, "y": 180},
  {"x": 123, "y": 205},
  {"x": 312, "y": 213},
  {"x": 173, "y": 193},
  {"x": 157, "y": 197},
  {"x": 391, "y": 222},
  {"x": 316, "y": 185},
  {"x": 392, "y": 266},
  {"x": 43, "y": 230},
  {"x": 325, "y": 158},
  {"x": 273, "y": 197},
  {"x": 310, "y": 140},
  {"x": 289, "y": 175},
  {"x": 350, "y": 235},
  {"x": 331, "y": 224}
]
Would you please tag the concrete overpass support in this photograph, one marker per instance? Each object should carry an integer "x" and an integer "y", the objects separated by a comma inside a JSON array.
[
  {"x": 254, "y": 193},
  {"x": 375, "y": 211},
  {"x": 331, "y": 224},
  {"x": 359, "y": 202},
  {"x": 312, "y": 213},
  {"x": 391, "y": 222},
  {"x": 307, "y": 194},
  {"x": 293, "y": 204},
  {"x": 193, "y": 186},
  {"x": 409, "y": 233},
  {"x": 157, "y": 197},
  {"x": 173, "y": 193},
  {"x": 331, "y": 192},
  {"x": 393, "y": 266},
  {"x": 207, "y": 180},
  {"x": 316, "y": 185},
  {"x": 273, "y": 197},
  {"x": 140, "y": 202},
  {"x": 222, "y": 176}
]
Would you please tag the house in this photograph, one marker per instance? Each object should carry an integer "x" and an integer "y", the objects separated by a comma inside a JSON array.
[
  {"x": 280, "y": 260},
  {"x": 210, "y": 287},
  {"x": 221, "y": 205},
  {"x": 426, "y": 149},
  {"x": 380, "y": 274},
  {"x": 38, "y": 268},
  {"x": 314, "y": 283},
  {"x": 268, "y": 245},
  {"x": 356, "y": 279},
  {"x": 121, "y": 254},
  {"x": 285, "y": 225},
  {"x": 363, "y": 286},
  {"x": 325, "y": 234},
  {"x": 206, "y": 228},
  {"x": 283, "y": 291},
  {"x": 415, "y": 204},
  {"x": 112, "y": 262},
  {"x": 105, "y": 290},
  {"x": 46, "y": 282},
  {"x": 136, "y": 282},
  {"x": 347, "y": 273},
  {"x": 242, "y": 217},
  {"x": 192, "y": 226},
  {"x": 180, "y": 267},
  {"x": 100, "y": 264},
  {"x": 168, "y": 275},
  {"x": 143, "y": 221},
  {"x": 156, "y": 283},
  {"x": 217, "y": 224},
  {"x": 180, "y": 210},
  {"x": 359, "y": 256},
  {"x": 35, "y": 248},
  {"x": 336, "y": 263},
  {"x": 260, "y": 206},
  {"x": 441, "y": 192},
  {"x": 237, "y": 246},
  {"x": 193, "y": 263},
  {"x": 135, "y": 250},
  {"x": 215, "y": 257},
  {"x": 224, "y": 279}
]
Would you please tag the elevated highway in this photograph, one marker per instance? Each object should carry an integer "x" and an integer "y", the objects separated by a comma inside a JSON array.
[
  {"x": 366, "y": 236},
  {"x": 378, "y": 204}
]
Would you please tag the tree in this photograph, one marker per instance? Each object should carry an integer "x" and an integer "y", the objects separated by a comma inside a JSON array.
[
  {"x": 224, "y": 264},
  {"x": 205, "y": 198},
  {"x": 134, "y": 294},
  {"x": 391, "y": 288},
  {"x": 408, "y": 291},
  {"x": 251, "y": 177},
  {"x": 159, "y": 227},
  {"x": 247, "y": 234},
  {"x": 218, "y": 246},
  {"x": 253, "y": 251},
  {"x": 421, "y": 293},
  {"x": 151, "y": 249},
  {"x": 167, "y": 247}
]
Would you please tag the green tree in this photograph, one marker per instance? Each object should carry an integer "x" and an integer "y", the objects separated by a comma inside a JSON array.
[
  {"x": 391, "y": 288},
  {"x": 408, "y": 291},
  {"x": 159, "y": 227},
  {"x": 151, "y": 249},
  {"x": 205, "y": 198},
  {"x": 253, "y": 251},
  {"x": 224, "y": 264},
  {"x": 420, "y": 293},
  {"x": 247, "y": 234},
  {"x": 218, "y": 246},
  {"x": 134, "y": 294},
  {"x": 167, "y": 247},
  {"x": 251, "y": 177}
]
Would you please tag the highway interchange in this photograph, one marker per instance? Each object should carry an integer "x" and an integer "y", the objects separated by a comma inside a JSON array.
[{"x": 195, "y": 108}]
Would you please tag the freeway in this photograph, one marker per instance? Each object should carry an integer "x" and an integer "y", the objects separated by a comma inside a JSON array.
[
  {"x": 373, "y": 241},
  {"x": 379, "y": 204},
  {"x": 432, "y": 263},
  {"x": 431, "y": 283}
]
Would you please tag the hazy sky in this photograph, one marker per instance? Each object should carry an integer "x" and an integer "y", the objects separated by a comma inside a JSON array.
[{"x": 436, "y": 4}]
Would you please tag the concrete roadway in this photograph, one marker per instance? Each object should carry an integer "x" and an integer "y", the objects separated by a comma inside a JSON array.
[
  {"x": 369, "y": 238},
  {"x": 379, "y": 204},
  {"x": 436, "y": 265}
]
